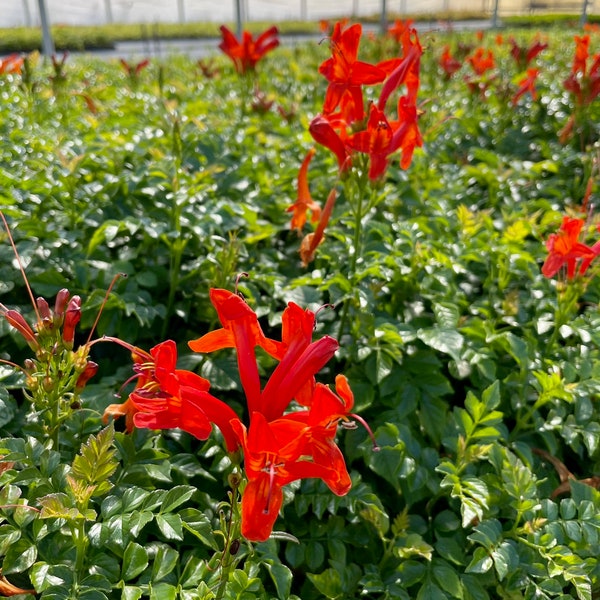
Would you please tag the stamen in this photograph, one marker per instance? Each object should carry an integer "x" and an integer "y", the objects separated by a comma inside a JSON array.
[
  {"x": 271, "y": 479},
  {"x": 329, "y": 305},
  {"x": 237, "y": 282},
  {"x": 21, "y": 268},
  {"x": 108, "y": 338},
  {"x": 126, "y": 383},
  {"x": 376, "y": 447},
  {"x": 14, "y": 365},
  {"x": 108, "y": 291}
]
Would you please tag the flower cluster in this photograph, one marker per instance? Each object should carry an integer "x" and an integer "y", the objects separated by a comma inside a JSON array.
[
  {"x": 246, "y": 53},
  {"x": 583, "y": 82},
  {"x": 344, "y": 126},
  {"x": 524, "y": 55},
  {"x": 57, "y": 374},
  {"x": 291, "y": 421},
  {"x": 11, "y": 64},
  {"x": 565, "y": 249}
]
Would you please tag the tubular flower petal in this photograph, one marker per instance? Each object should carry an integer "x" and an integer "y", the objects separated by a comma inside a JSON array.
[
  {"x": 304, "y": 202},
  {"x": 323, "y": 133},
  {"x": 241, "y": 330},
  {"x": 275, "y": 454},
  {"x": 448, "y": 63},
  {"x": 527, "y": 84},
  {"x": 8, "y": 589},
  {"x": 166, "y": 398},
  {"x": 376, "y": 141},
  {"x": 407, "y": 136},
  {"x": 126, "y": 409},
  {"x": 16, "y": 320},
  {"x": 481, "y": 61},
  {"x": 297, "y": 368},
  {"x": 246, "y": 53},
  {"x": 407, "y": 71},
  {"x": 72, "y": 317},
  {"x": 311, "y": 241}
]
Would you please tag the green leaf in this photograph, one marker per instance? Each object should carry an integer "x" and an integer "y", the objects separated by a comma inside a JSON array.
[
  {"x": 8, "y": 407},
  {"x": 488, "y": 533},
  {"x": 96, "y": 462},
  {"x": 131, "y": 592},
  {"x": 481, "y": 562},
  {"x": 44, "y": 576},
  {"x": 447, "y": 578},
  {"x": 171, "y": 526},
  {"x": 175, "y": 497},
  {"x": 282, "y": 578},
  {"x": 430, "y": 591},
  {"x": 163, "y": 591},
  {"x": 135, "y": 561},
  {"x": 164, "y": 562},
  {"x": 315, "y": 555},
  {"x": 448, "y": 341},
  {"x": 506, "y": 559},
  {"x": 19, "y": 557},
  {"x": 329, "y": 583},
  {"x": 197, "y": 523},
  {"x": 8, "y": 536}
]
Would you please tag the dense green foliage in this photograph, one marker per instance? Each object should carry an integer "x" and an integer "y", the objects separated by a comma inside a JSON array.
[
  {"x": 474, "y": 373},
  {"x": 71, "y": 37}
]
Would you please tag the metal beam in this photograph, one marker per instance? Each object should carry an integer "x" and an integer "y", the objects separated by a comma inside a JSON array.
[
  {"x": 238, "y": 18},
  {"x": 109, "y": 13},
  {"x": 47, "y": 42},
  {"x": 383, "y": 23},
  {"x": 584, "y": 9}
]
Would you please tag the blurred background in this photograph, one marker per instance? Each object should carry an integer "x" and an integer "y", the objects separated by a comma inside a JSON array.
[{"x": 18, "y": 13}]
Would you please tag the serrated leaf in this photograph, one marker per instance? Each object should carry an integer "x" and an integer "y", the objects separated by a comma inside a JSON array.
[
  {"x": 197, "y": 523},
  {"x": 170, "y": 525},
  {"x": 131, "y": 592},
  {"x": 44, "y": 576},
  {"x": 96, "y": 462},
  {"x": 506, "y": 559},
  {"x": 329, "y": 583},
  {"x": 481, "y": 562},
  {"x": 446, "y": 340},
  {"x": 164, "y": 562},
  {"x": 58, "y": 506},
  {"x": 19, "y": 557},
  {"x": 430, "y": 591},
  {"x": 135, "y": 561},
  {"x": 175, "y": 497},
  {"x": 282, "y": 578},
  {"x": 163, "y": 591}
]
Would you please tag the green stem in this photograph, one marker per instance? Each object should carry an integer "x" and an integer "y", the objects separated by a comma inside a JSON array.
[
  {"x": 175, "y": 255},
  {"x": 228, "y": 560},
  {"x": 355, "y": 191}
]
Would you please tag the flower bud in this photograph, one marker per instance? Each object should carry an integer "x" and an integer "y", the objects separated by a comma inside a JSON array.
[
  {"x": 72, "y": 317},
  {"x": 234, "y": 480},
  {"x": 44, "y": 314},
  {"x": 43, "y": 308},
  {"x": 88, "y": 372},
  {"x": 61, "y": 302},
  {"x": 16, "y": 319}
]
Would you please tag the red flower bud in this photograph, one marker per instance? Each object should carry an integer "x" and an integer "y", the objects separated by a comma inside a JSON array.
[
  {"x": 72, "y": 317},
  {"x": 61, "y": 302},
  {"x": 88, "y": 372},
  {"x": 16, "y": 319},
  {"x": 43, "y": 309}
]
